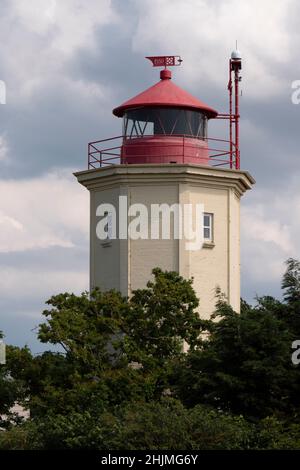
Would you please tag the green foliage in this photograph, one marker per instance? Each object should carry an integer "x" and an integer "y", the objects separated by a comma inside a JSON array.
[
  {"x": 169, "y": 425},
  {"x": 13, "y": 384},
  {"x": 84, "y": 326},
  {"x": 164, "y": 425},
  {"x": 123, "y": 381},
  {"x": 273, "y": 434},
  {"x": 116, "y": 349},
  {"x": 156, "y": 425},
  {"x": 291, "y": 281},
  {"x": 245, "y": 365},
  {"x": 160, "y": 318}
]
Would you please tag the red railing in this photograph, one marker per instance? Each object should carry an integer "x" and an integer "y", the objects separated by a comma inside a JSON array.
[{"x": 104, "y": 152}]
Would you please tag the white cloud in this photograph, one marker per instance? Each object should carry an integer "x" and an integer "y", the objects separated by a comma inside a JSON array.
[
  {"x": 36, "y": 16},
  {"x": 270, "y": 226},
  {"x": 44, "y": 42},
  {"x": 72, "y": 23},
  {"x": 41, "y": 36},
  {"x": 259, "y": 226},
  {"x": 28, "y": 284},
  {"x": 38, "y": 213},
  {"x": 205, "y": 32},
  {"x": 7, "y": 221}
]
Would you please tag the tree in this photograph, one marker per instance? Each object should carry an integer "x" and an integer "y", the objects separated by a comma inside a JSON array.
[
  {"x": 123, "y": 380},
  {"x": 291, "y": 281},
  {"x": 13, "y": 384},
  {"x": 116, "y": 349},
  {"x": 244, "y": 364},
  {"x": 158, "y": 425}
]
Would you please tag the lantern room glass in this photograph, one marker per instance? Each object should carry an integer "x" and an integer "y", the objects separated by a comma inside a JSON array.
[{"x": 150, "y": 121}]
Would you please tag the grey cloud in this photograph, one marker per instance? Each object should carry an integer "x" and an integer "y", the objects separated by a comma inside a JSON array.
[{"x": 53, "y": 124}]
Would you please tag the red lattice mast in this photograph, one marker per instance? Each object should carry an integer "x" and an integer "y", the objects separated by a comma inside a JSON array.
[{"x": 235, "y": 66}]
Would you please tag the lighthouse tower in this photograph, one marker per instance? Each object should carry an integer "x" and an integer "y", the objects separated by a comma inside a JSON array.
[{"x": 142, "y": 181}]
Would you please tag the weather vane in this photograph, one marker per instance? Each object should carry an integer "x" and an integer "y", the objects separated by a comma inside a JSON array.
[{"x": 165, "y": 60}]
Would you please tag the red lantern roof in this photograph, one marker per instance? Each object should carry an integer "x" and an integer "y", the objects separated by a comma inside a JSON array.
[{"x": 165, "y": 94}]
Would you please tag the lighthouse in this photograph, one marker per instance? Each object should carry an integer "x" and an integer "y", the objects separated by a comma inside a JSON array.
[{"x": 163, "y": 181}]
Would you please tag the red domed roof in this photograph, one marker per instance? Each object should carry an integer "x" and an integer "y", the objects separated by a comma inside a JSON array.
[{"x": 165, "y": 93}]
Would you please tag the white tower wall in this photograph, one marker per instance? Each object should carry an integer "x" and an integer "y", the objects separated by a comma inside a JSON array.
[{"x": 126, "y": 264}]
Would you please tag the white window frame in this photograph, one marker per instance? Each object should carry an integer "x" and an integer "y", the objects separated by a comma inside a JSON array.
[{"x": 209, "y": 239}]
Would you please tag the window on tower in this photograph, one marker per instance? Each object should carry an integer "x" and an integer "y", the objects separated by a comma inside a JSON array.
[
  {"x": 208, "y": 227},
  {"x": 149, "y": 121}
]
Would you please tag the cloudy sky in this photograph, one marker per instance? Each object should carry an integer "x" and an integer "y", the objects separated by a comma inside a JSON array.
[{"x": 67, "y": 63}]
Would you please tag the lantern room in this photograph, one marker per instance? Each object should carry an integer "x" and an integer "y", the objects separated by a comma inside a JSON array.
[{"x": 165, "y": 124}]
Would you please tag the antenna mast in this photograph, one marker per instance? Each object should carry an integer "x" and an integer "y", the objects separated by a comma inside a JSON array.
[{"x": 235, "y": 65}]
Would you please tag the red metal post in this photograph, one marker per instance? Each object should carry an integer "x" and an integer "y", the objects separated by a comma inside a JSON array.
[
  {"x": 237, "y": 119},
  {"x": 230, "y": 117},
  {"x": 235, "y": 67}
]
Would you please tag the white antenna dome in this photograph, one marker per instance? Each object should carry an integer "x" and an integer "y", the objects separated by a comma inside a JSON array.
[{"x": 236, "y": 55}]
